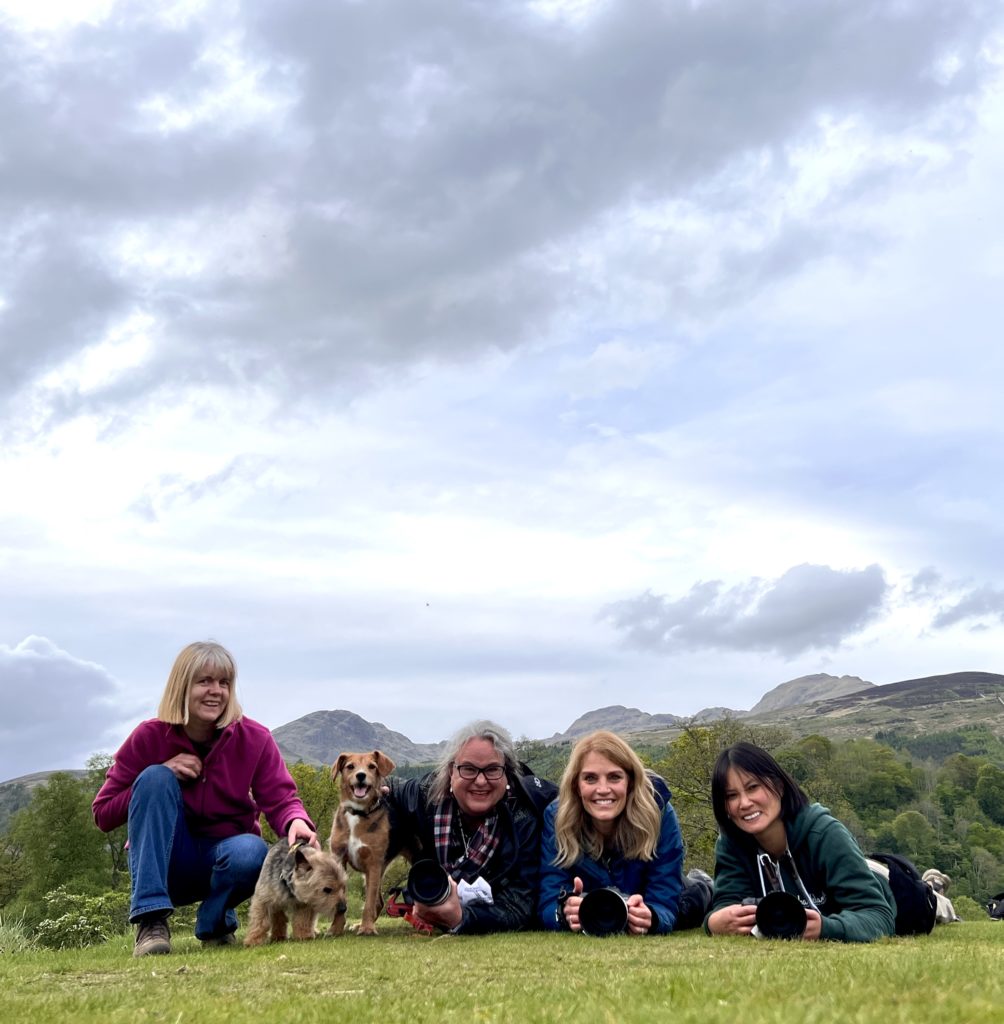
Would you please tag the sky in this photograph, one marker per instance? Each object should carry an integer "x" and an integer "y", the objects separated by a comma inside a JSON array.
[{"x": 448, "y": 359}]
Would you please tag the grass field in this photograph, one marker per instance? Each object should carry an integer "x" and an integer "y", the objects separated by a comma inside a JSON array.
[{"x": 954, "y": 975}]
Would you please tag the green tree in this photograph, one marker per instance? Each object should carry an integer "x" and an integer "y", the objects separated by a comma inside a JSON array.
[
  {"x": 59, "y": 841},
  {"x": 114, "y": 841},
  {"x": 914, "y": 837},
  {"x": 873, "y": 779},
  {"x": 990, "y": 792}
]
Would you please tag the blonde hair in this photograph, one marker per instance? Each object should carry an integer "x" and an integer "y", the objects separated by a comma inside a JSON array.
[
  {"x": 636, "y": 832},
  {"x": 191, "y": 663}
]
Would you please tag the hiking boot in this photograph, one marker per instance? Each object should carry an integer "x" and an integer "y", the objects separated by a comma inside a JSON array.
[
  {"x": 152, "y": 937},
  {"x": 228, "y": 939}
]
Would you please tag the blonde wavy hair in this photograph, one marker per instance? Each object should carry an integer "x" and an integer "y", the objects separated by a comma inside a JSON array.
[
  {"x": 191, "y": 664},
  {"x": 636, "y": 832}
]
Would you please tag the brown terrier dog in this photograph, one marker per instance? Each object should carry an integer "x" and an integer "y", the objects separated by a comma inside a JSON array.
[
  {"x": 360, "y": 833},
  {"x": 299, "y": 882}
]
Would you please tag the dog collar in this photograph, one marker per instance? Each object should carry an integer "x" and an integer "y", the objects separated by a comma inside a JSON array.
[{"x": 364, "y": 814}]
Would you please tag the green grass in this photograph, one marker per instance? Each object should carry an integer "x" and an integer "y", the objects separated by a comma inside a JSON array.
[{"x": 402, "y": 977}]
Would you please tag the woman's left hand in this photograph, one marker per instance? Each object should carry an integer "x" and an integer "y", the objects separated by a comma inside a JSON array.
[
  {"x": 301, "y": 832},
  {"x": 639, "y": 916},
  {"x": 813, "y": 926}
]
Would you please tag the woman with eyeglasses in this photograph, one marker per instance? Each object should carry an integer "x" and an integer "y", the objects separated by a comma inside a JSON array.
[
  {"x": 613, "y": 827},
  {"x": 772, "y": 838},
  {"x": 479, "y": 815}
]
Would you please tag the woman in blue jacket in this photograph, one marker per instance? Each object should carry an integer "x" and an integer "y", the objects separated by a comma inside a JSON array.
[{"x": 611, "y": 825}]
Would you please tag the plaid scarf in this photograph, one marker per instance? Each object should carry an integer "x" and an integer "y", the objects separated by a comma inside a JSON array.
[{"x": 461, "y": 856}]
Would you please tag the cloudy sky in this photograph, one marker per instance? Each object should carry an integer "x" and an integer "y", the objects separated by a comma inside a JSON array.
[{"x": 461, "y": 358}]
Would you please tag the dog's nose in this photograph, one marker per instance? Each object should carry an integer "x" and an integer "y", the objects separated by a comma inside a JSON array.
[
  {"x": 342, "y": 907},
  {"x": 361, "y": 776}
]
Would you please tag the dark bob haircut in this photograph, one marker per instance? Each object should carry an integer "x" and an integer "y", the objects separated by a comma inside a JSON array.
[{"x": 755, "y": 761}]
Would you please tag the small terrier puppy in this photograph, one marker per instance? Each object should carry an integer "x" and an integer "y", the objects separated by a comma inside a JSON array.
[
  {"x": 296, "y": 882},
  {"x": 360, "y": 832}
]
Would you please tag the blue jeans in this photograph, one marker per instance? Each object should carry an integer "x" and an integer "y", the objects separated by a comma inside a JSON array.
[{"x": 171, "y": 867}]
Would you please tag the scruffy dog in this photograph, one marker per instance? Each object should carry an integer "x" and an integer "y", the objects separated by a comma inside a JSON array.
[
  {"x": 360, "y": 833},
  {"x": 296, "y": 882}
]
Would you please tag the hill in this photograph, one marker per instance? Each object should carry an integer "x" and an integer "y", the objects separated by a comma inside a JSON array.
[
  {"x": 318, "y": 738},
  {"x": 925, "y": 705},
  {"x": 807, "y": 690}
]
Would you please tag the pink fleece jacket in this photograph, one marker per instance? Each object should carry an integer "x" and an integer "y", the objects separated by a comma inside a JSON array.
[{"x": 243, "y": 774}]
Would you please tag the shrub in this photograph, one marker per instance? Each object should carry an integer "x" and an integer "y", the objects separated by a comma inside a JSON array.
[
  {"x": 968, "y": 909},
  {"x": 74, "y": 920}
]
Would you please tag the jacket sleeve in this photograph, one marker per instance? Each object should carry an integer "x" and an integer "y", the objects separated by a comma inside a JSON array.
[
  {"x": 111, "y": 805},
  {"x": 552, "y": 878},
  {"x": 514, "y": 883},
  {"x": 865, "y": 913},
  {"x": 734, "y": 881},
  {"x": 274, "y": 790},
  {"x": 664, "y": 881}
]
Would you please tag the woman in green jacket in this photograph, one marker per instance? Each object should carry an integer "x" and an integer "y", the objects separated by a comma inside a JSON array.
[{"x": 772, "y": 838}]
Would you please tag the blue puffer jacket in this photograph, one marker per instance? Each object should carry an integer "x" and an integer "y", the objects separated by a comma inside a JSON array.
[{"x": 659, "y": 881}]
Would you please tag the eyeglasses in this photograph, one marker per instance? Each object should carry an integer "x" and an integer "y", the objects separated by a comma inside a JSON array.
[{"x": 491, "y": 772}]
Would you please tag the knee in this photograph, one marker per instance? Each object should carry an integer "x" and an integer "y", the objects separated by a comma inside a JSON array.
[
  {"x": 153, "y": 784},
  {"x": 242, "y": 856}
]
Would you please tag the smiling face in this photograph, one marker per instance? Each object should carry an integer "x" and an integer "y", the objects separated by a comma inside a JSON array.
[
  {"x": 755, "y": 808},
  {"x": 208, "y": 697},
  {"x": 476, "y": 797},
  {"x": 603, "y": 789}
]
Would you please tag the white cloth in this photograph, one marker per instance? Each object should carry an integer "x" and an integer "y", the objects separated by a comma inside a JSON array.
[{"x": 478, "y": 891}]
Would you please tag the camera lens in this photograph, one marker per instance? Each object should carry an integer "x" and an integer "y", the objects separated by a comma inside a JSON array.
[
  {"x": 603, "y": 912},
  {"x": 428, "y": 883},
  {"x": 779, "y": 915}
]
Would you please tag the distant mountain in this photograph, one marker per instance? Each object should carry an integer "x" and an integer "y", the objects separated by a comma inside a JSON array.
[
  {"x": 806, "y": 690},
  {"x": 616, "y": 718},
  {"x": 914, "y": 706},
  {"x": 318, "y": 738}
]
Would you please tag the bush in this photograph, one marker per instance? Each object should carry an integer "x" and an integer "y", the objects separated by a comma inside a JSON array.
[
  {"x": 74, "y": 920},
  {"x": 968, "y": 909}
]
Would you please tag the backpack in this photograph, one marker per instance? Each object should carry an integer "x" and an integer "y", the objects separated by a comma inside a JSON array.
[
  {"x": 995, "y": 908},
  {"x": 916, "y": 903}
]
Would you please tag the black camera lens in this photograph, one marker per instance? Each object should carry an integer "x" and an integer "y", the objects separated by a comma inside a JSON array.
[
  {"x": 779, "y": 915},
  {"x": 603, "y": 912},
  {"x": 428, "y": 883}
]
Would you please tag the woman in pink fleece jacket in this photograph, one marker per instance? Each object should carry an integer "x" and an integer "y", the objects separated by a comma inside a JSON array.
[{"x": 191, "y": 783}]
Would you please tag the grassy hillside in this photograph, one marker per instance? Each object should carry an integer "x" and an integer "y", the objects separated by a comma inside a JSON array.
[{"x": 404, "y": 978}]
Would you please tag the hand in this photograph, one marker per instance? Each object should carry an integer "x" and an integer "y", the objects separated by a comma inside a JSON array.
[
  {"x": 446, "y": 915},
  {"x": 571, "y": 909},
  {"x": 813, "y": 925},
  {"x": 734, "y": 920},
  {"x": 300, "y": 831},
  {"x": 639, "y": 919},
  {"x": 186, "y": 767}
]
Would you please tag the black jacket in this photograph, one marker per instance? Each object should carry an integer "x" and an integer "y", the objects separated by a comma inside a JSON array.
[{"x": 513, "y": 869}]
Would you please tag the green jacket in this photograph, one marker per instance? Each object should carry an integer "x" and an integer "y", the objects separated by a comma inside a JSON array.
[{"x": 856, "y": 904}]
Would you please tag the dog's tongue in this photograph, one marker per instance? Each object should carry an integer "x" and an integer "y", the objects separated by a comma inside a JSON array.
[{"x": 360, "y": 791}]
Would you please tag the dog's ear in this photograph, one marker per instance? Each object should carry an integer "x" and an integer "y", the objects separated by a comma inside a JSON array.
[
  {"x": 336, "y": 768},
  {"x": 384, "y": 764},
  {"x": 301, "y": 860}
]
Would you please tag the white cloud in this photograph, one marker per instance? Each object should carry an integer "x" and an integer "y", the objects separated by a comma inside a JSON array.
[
  {"x": 385, "y": 342},
  {"x": 809, "y": 607},
  {"x": 56, "y": 709}
]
